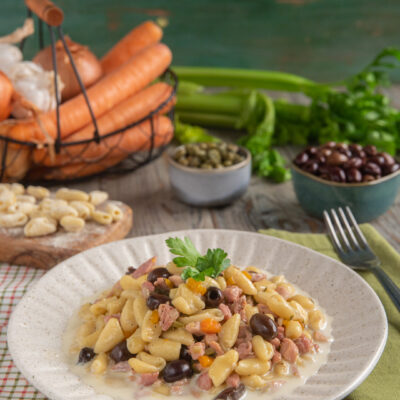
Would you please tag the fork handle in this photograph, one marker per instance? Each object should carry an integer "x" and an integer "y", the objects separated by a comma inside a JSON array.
[{"x": 391, "y": 288}]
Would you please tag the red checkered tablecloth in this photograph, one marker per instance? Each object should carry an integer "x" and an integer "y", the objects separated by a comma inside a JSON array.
[{"x": 14, "y": 282}]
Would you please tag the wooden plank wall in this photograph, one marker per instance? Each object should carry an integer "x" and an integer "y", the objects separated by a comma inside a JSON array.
[{"x": 321, "y": 39}]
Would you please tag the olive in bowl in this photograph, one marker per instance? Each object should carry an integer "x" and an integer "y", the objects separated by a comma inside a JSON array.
[
  {"x": 337, "y": 175},
  {"x": 209, "y": 174}
]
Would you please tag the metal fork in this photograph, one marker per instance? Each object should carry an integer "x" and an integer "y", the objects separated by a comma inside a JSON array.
[{"x": 352, "y": 247}]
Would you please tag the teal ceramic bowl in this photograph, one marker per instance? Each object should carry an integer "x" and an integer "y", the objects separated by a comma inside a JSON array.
[{"x": 367, "y": 200}]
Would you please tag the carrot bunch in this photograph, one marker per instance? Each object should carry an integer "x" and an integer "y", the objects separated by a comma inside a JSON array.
[{"x": 123, "y": 96}]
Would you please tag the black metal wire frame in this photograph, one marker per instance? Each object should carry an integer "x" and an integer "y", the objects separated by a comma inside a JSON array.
[{"x": 58, "y": 144}]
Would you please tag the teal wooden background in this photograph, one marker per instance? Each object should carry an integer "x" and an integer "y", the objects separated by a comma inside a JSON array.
[{"x": 320, "y": 39}]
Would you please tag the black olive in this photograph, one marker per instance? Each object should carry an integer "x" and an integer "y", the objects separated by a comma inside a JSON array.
[
  {"x": 213, "y": 297},
  {"x": 162, "y": 290},
  {"x": 198, "y": 338},
  {"x": 85, "y": 355},
  {"x": 158, "y": 273},
  {"x": 155, "y": 299},
  {"x": 177, "y": 370},
  {"x": 130, "y": 270},
  {"x": 120, "y": 352},
  {"x": 184, "y": 354},
  {"x": 232, "y": 393},
  {"x": 264, "y": 326}
]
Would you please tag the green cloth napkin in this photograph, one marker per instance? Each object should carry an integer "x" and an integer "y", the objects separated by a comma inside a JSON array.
[{"x": 384, "y": 381}]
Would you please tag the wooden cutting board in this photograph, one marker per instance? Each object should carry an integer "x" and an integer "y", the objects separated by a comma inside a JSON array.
[{"x": 47, "y": 251}]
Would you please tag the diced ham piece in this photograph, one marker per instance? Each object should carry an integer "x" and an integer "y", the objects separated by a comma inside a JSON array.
[
  {"x": 244, "y": 349},
  {"x": 204, "y": 381},
  {"x": 176, "y": 280},
  {"x": 304, "y": 344},
  {"x": 232, "y": 293},
  {"x": 264, "y": 309},
  {"x": 147, "y": 288},
  {"x": 238, "y": 307},
  {"x": 122, "y": 366},
  {"x": 277, "y": 357},
  {"x": 168, "y": 315},
  {"x": 210, "y": 338},
  {"x": 320, "y": 337},
  {"x": 197, "y": 350},
  {"x": 316, "y": 347},
  {"x": 194, "y": 328},
  {"x": 257, "y": 277},
  {"x": 108, "y": 317},
  {"x": 289, "y": 350},
  {"x": 281, "y": 332},
  {"x": 233, "y": 380},
  {"x": 275, "y": 342},
  {"x": 225, "y": 310},
  {"x": 283, "y": 291},
  {"x": 161, "y": 284},
  {"x": 217, "y": 347},
  {"x": 145, "y": 268},
  {"x": 244, "y": 335},
  {"x": 148, "y": 379}
]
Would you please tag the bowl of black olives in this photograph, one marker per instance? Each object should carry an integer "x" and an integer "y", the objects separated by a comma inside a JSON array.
[
  {"x": 209, "y": 174},
  {"x": 338, "y": 174}
]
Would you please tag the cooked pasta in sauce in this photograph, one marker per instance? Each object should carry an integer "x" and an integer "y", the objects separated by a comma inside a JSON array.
[{"x": 237, "y": 334}]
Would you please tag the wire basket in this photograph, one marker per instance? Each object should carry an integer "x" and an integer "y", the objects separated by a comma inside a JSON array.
[{"x": 17, "y": 162}]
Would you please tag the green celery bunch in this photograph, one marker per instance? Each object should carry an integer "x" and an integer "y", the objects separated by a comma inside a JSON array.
[{"x": 350, "y": 111}]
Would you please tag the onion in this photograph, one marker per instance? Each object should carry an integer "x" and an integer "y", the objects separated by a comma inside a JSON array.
[
  {"x": 86, "y": 62},
  {"x": 6, "y": 92}
]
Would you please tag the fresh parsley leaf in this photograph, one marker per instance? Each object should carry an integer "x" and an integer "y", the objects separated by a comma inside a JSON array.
[
  {"x": 215, "y": 259},
  {"x": 198, "y": 266},
  {"x": 184, "y": 248}
]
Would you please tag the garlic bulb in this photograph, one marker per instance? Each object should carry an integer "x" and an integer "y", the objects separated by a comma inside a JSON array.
[
  {"x": 33, "y": 86},
  {"x": 9, "y": 55}
]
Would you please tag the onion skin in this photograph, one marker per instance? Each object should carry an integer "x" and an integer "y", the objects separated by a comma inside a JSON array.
[
  {"x": 86, "y": 62},
  {"x": 6, "y": 92}
]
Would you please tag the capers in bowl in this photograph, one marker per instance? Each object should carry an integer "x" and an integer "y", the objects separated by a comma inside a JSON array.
[
  {"x": 209, "y": 174},
  {"x": 209, "y": 155}
]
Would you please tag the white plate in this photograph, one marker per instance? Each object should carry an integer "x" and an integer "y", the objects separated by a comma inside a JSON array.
[{"x": 359, "y": 321}]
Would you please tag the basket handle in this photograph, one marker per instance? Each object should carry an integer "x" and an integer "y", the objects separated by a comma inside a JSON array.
[{"x": 46, "y": 11}]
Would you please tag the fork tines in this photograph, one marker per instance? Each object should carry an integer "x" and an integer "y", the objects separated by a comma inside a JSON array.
[{"x": 344, "y": 231}]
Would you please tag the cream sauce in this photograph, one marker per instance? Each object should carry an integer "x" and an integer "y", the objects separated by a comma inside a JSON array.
[{"x": 120, "y": 387}]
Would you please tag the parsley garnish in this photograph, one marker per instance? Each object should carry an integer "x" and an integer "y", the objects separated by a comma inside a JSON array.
[{"x": 197, "y": 266}]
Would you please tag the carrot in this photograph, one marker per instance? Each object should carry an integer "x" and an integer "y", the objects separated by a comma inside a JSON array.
[
  {"x": 73, "y": 171},
  {"x": 113, "y": 88},
  {"x": 210, "y": 325},
  {"x": 136, "y": 40},
  {"x": 110, "y": 157},
  {"x": 130, "y": 110},
  {"x": 6, "y": 92}
]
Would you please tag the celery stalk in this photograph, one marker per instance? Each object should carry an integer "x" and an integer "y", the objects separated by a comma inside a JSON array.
[
  {"x": 209, "y": 119},
  {"x": 201, "y": 102},
  {"x": 250, "y": 79}
]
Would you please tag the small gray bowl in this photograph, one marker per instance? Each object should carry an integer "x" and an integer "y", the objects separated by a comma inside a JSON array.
[{"x": 209, "y": 188}]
